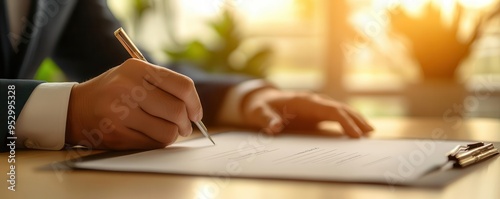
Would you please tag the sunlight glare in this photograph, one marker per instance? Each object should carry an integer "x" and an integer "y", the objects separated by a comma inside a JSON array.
[
  {"x": 447, "y": 10},
  {"x": 254, "y": 9},
  {"x": 262, "y": 9},
  {"x": 476, "y": 3},
  {"x": 202, "y": 7},
  {"x": 414, "y": 7}
]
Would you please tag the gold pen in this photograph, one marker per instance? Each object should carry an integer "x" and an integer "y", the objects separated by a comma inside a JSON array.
[{"x": 135, "y": 53}]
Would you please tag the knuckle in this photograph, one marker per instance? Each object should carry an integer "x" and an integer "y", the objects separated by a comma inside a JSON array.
[
  {"x": 187, "y": 85},
  {"x": 340, "y": 107},
  {"x": 129, "y": 64},
  {"x": 188, "y": 81},
  {"x": 134, "y": 63},
  {"x": 302, "y": 96}
]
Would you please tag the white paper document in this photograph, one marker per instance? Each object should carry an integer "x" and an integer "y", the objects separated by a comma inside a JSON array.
[{"x": 245, "y": 154}]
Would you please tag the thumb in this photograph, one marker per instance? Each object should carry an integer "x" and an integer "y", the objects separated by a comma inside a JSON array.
[{"x": 269, "y": 120}]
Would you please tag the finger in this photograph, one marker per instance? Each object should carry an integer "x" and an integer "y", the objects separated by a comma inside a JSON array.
[
  {"x": 129, "y": 139},
  {"x": 324, "y": 109},
  {"x": 350, "y": 127},
  {"x": 169, "y": 108},
  {"x": 179, "y": 86},
  {"x": 359, "y": 120},
  {"x": 156, "y": 128},
  {"x": 268, "y": 119}
]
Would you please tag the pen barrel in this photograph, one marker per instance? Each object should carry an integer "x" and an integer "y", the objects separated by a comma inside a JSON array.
[{"x": 127, "y": 43}]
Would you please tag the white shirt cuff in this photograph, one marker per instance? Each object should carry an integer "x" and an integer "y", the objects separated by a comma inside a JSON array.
[
  {"x": 42, "y": 122},
  {"x": 230, "y": 113}
]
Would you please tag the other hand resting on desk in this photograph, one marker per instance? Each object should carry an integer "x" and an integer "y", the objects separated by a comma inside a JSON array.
[{"x": 268, "y": 108}]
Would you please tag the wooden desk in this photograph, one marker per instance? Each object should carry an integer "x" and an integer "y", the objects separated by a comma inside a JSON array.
[{"x": 33, "y": 182}]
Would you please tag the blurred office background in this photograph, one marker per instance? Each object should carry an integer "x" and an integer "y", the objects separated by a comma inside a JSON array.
[{"x": 387, "y": 58}]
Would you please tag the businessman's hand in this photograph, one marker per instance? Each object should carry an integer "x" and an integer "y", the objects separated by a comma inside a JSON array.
[
  {"x": 273, "y": 110},
  {"x": 136, "y": 105}
]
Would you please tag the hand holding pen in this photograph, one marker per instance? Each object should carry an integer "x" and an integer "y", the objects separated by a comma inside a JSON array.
[
  {"x": 135, "y": 53},
  {"x": 136, "y": 105}
]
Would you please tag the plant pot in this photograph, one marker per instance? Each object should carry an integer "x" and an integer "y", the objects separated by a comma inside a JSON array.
[{"x": 435, "y": 98}]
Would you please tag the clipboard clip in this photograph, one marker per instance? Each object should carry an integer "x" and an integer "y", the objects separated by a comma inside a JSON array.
[{"x": 465, "y": 155}]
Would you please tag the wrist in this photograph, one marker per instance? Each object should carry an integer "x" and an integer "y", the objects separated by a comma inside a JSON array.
[
  {"x": 231, "y": 111},
  {"x": 73, "y": 125}
]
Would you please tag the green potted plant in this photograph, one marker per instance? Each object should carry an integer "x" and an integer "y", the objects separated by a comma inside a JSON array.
[{"x": 219, "y": 58}]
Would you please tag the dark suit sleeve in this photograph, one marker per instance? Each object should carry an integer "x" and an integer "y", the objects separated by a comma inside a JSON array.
[
  {"x": 14, "y": 92},
  {"x": 88, "y": 48}
]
